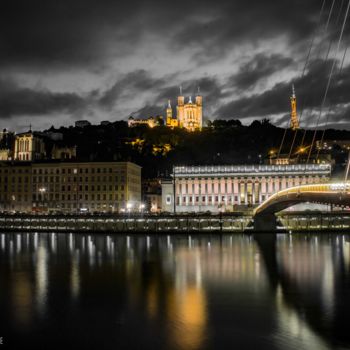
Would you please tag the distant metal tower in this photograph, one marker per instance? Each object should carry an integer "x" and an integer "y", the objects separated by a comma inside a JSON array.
[{"x": 294, "y": 120}]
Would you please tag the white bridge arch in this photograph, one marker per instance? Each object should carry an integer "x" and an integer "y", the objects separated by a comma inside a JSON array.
[{"x": 325, "y": 193}]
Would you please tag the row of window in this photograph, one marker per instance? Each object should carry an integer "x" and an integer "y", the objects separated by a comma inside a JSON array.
[
  {"x": 75, "y": 179},
  {"x": 17, "y": 188},
  {"x": 251, "y": 178},
  {"x": 13, "y": 179},
  {"x": 69, "y": 188},
  {"x": 74, "y": 197},
  {"x": 229, "y": 188},
  {"x": 63, "y": 171},
  {"x": 14, "y": 171},
  {"x": 57, "y": 188},
  {"x": 77, "y": 171},
  {"x": 214, "y": 200}
]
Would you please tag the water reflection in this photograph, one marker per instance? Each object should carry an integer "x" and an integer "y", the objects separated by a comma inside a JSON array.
[{"x": 177, "y": 292}]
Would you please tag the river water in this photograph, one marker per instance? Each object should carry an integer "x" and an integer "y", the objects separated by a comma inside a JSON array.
[{"x": 71, "y": 291}]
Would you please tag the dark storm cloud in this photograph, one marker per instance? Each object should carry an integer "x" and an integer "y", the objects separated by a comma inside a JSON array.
[
  {"x": 260, "y": 67},
  {"x": 15, "y": 100},
  {"x": 63, "y": 32},
  {"x": 235, "y": 22},
  {"x": 149, "y": 110},
  {"x": 310, "y": 91},
  {"x": 46, "y": 36},
  {"x": 54, "y": 32},
  {"x": 340, "y": 114},
  {"x": 209, "y": 88},
  {"x": 130, "y": 84}
]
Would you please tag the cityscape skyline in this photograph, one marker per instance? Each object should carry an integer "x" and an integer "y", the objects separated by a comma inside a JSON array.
[
  {"x": 108, "y": 61},
  {"x": 178, "y": 171}
]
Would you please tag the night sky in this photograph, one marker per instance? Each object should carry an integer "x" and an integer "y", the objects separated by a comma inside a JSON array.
[{"x": 61, "y": 61}]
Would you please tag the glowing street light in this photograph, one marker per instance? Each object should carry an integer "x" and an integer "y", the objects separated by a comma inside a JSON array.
[
  {"x": 128, "y": 206},
  {"x": 272, "y": 153}
]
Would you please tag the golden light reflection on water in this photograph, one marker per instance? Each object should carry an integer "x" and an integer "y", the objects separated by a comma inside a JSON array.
[
  {"x": 188, "y": 318},
  {"x": 152, "y": 301},
  {"x": 22, "y": 300},
  {"x": 174, "y": 280}
]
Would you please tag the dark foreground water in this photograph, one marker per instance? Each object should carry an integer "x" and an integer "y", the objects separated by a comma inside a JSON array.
[{"x": 61, "y": 291}]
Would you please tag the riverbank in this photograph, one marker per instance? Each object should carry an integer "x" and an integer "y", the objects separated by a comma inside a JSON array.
[{"x": 220, "y": 223}]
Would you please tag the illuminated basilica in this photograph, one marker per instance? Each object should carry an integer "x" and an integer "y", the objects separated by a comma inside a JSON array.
[{"x": 188, "y": 115}]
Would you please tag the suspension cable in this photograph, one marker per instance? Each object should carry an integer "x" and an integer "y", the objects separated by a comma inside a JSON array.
[
  {"x": 281, "y": 145},
  {"x": 347, "y": 170},
  {"x": 325, "y": 59},
  {"x": 329, "y": 80},
  {"x": 329, "y": 107},
  {"x": 317, "y": 57},
  {"x": 305, "y": 65}
]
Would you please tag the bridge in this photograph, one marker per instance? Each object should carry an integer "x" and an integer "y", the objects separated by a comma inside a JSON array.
[{"x": 325, "y": 193}]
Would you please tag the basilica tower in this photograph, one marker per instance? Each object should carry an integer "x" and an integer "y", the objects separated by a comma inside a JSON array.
[
  {"x": 199, "y": 103},
  {"x": 180, "y": 108},
  {"x": 169, "y": 113}
]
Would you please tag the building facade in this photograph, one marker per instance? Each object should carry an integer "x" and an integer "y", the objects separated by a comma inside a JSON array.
[
  {"x": 189, "y": 115},
  {"x": 70, "y": 186},
  {"x": 5, "y": 154},
  {"x": 226, "y": 188},
  {"x": 64, "y": 152},
  {"x": 152, "y": 195},
  {"x": 150, "y": 122},
  {"x": 82, "y": 123},
  {"x": 29, "y": 147}
]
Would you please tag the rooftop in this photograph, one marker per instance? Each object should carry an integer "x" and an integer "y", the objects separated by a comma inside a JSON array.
[{"x": 322, "y": 169}]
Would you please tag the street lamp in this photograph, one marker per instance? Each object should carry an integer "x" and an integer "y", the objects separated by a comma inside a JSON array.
[
  {"x": 42, "y": 191},
  {"x": 128, "y": 206}
]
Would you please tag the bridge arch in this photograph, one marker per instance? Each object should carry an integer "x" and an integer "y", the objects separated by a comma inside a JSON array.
[{"x": 322, "y": 193}]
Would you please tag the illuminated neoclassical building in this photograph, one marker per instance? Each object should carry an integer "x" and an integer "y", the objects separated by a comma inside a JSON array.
[
  {"x": 224, "y": 187},
  {"x": 189, "y": 115}
]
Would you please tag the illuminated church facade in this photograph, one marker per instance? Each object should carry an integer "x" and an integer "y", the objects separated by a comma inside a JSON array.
[{"x": 189, "y": 115}]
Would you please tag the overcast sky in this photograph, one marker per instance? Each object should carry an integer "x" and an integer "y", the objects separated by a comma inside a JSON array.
[{"x": 61, "y": 61}]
